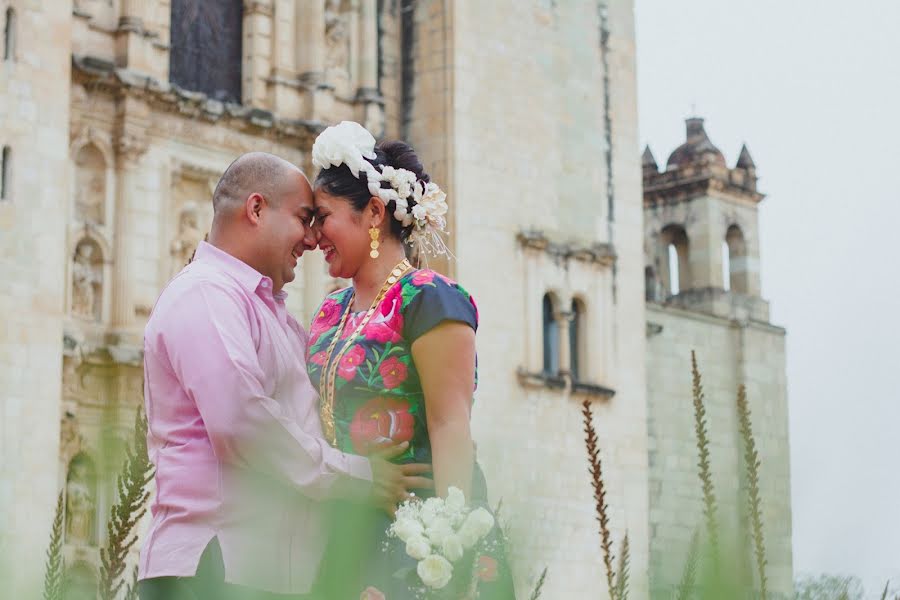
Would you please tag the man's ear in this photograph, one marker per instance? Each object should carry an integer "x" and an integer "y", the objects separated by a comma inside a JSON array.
[
  {"x": 253, "y": 207},
  {"x": 377, "y": 211}
]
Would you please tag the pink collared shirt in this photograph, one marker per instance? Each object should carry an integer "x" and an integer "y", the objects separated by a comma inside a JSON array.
[{"x": 234, "y": 432}]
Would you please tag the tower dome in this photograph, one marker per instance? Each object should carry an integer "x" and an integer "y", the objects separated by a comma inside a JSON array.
[{"x": 697, "y": 148}]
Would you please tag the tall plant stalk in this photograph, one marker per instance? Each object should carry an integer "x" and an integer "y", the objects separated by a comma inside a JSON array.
[
  {"x": 754, "y": 503},
  {"x": 709, "y": 496},
  {"x": 54, "y": 572},
  {"x": 622, "y": 573},
  {"x": 689, "y": 575},
  {"x": 539, "y": 587},
  {"x": 596, "y": 470},
  {"x": 130, "y": 506}
]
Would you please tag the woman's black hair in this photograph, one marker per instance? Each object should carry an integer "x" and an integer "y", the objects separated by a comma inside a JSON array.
[{"x": 340, "y": 182}]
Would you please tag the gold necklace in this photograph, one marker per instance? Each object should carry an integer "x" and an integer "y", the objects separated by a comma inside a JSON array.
[{"x": 330, "y": 367}]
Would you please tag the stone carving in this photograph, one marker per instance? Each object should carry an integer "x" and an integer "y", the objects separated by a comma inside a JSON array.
[
  {"x": 189, "y": 236},
  {"x": 337, "y": 42},
  {"x": 80, "y": 501},
  {"x": 87, "y": 281},
  {"x": 70, "y": 439},
  {"x": 90, "y": 186}
]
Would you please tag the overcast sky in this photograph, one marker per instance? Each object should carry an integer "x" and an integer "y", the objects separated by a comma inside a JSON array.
[{"x": 813, "y": 88}]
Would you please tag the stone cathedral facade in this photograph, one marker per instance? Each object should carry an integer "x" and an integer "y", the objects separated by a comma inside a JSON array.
[{"x": 118, "y": 116}]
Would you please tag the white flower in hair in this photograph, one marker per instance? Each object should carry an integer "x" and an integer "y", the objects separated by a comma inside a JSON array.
[
  {"x": 434, "y": 200},
  {"x": 347, "y": 143}
]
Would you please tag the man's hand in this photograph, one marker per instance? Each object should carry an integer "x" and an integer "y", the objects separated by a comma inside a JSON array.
[{"x": 392, "y": 483}]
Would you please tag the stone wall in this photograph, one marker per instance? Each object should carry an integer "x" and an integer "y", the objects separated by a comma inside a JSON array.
[
  {"x": 728, "y": 353},
  {"x": 527, "y": 122},
  {"x": 34, "y": 124}
]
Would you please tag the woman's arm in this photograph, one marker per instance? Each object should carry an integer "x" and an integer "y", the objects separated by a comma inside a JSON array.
[{"x": 445, "y": 359}]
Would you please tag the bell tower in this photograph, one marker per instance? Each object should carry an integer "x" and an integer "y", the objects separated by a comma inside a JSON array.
[{"x": 702, "y": 229}]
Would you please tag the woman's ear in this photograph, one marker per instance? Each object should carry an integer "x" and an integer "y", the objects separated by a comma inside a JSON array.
[{"x": 377, "y": 211}]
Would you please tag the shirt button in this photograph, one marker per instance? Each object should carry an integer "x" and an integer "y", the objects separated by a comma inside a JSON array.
[{"x": 265, "y": 283}]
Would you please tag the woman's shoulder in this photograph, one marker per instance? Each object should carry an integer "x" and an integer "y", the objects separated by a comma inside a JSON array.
[{"x": 430, "y": 278}]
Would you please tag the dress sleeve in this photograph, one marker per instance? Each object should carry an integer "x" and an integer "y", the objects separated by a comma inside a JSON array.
[{"x": 429, "y": 299}]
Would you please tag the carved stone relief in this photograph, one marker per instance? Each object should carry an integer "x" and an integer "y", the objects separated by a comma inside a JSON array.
[
  {"x": 90, "y": 186},
  {"x": 192, "y": 210},
  {"x": 87, "y": 280},
  {"x": 80, "y": 500}
]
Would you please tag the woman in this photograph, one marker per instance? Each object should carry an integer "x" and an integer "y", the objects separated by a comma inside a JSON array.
[{"x": 393, "y": 355}]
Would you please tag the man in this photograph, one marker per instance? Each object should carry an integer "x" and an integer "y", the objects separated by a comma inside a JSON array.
[{"x": 234, "y": 433}]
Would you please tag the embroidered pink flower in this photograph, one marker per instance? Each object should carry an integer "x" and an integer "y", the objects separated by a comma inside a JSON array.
[
  {"x": 386, "y": 324},
  {"x": 329, "y": 314},
  {"x": 380, "y": 421},
  {"x": 371, "y": 593},
  {"x": 423, "y": 277},
  {"x": 487, "y": 568},
  {"x": 352, "y": 323},
  {"x": 350, "y": 361},
  {"x": 318, "y": 358},
  {"x": 393, "y": 372}
]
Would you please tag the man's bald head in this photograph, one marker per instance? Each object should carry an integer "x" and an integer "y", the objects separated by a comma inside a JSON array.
[{"x": 258, "y": 172}]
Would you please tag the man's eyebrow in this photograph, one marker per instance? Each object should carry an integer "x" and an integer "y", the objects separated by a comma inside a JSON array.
[{"x": 307, "y": 209}]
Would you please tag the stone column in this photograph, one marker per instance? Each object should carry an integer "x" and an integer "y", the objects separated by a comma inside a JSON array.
[
  {"x": 133, "y": 47},
  {"x": 368, "y": 45},
  {"x": 257, "y": 52},
  {"x": 563, "y": 320},
  {"x": 368, "y": 93},
  {"x": 131, "y": 144},
  {"x": 310, "y": 59}
]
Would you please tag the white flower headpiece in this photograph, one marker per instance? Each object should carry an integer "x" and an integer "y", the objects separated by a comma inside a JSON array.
[{"x": 422, "y": 205}]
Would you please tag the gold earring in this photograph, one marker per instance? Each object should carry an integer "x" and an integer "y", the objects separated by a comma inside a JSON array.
[{"x": 374, "y": 233}]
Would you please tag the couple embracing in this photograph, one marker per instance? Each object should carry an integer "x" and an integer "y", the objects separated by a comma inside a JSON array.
[{"x": 282, "y": 456}]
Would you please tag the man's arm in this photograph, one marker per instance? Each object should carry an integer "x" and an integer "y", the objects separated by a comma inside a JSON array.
[{"x": 207, "y": 340}]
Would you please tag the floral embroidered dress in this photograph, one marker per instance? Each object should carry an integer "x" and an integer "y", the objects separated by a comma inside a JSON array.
[{"x": 378, "y": 397}]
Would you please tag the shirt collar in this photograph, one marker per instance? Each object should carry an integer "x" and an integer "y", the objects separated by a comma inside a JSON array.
[{"x": 248, "y": 277}]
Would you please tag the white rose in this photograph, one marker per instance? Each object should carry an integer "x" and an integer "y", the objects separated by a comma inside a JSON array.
[
  {"x": 452, "y": 548},
  {"x": 407, "y": 528},
  {"x": 435, "y": 571},
  {"x": 438, "y": 530},
  {"x": 456, "y": 500},
  {"x": 481, "y": 521},
  {"x": 418, "y": 547},
  {"x": 419, "y": 212},
  {"x": 430, "y": 509},
  {"x": 468, "y": 536}
]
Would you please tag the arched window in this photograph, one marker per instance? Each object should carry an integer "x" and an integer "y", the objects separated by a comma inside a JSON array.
[
  {"x": 551, "y": 337},
  {"x": 9, "y": 35},
  {"x": 674, "y": 260},
  {"x": 726, "y": 267},
  {"x": 5, "y": 173},
  {"x": 674, "y": 274},
  {"x": 577, "y": 340},
  {"x": 737, "y": 260},
  {"x": 205, "y": 47}
]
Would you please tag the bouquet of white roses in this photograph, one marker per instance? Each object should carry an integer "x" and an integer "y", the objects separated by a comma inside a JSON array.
[{"x": 438, "y": 533}]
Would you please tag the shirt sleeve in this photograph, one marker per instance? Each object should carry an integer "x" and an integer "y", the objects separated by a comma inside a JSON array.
[
  {"x": 429, "y": 303},
  {"x": 223, "y": 376}
]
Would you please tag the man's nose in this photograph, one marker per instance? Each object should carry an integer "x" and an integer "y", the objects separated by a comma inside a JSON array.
[{"x": 311, "y": 237}]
